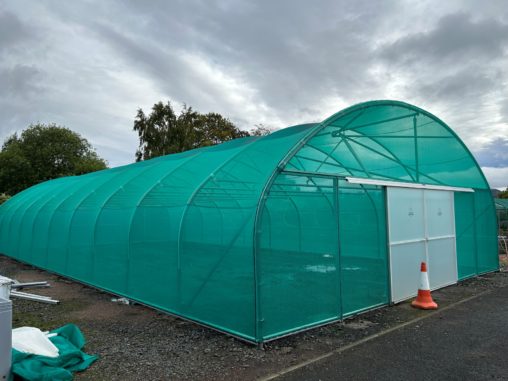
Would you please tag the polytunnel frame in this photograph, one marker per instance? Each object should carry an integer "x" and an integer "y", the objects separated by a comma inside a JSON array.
[
  {"x": 33, "y": 199},
  {"x": 280, "y": 168}
]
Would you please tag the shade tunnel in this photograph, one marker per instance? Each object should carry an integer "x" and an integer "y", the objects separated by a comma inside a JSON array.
[{"x": 261, "y": 237}]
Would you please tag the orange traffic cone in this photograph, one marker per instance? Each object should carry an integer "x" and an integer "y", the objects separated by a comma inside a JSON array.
[{"x": 424, "y": 299}]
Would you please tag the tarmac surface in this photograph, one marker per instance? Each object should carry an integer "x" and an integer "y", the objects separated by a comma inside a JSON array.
[{"x": 467, "y": 341}]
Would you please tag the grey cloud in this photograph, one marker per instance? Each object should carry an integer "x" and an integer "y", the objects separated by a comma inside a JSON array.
[
  {"x": 12, "y": 30},
  {"x": 504, "y": 111},
  {"x": 19, "y": 85},
  {"x": 163, "y": 64},
  {"x": 494, "y": 154},
  {"x": 455, "y": 37},
  {"x": 275, "y": 63},
  {"x": 467, "y": 83},
  {"x": 496, "y": 177},
  {"x": 160, "y": 58},
  {"x": 457, "y": 65},
  {"x": 290, "y": 58},
  {"x": 19, "y": 81}
]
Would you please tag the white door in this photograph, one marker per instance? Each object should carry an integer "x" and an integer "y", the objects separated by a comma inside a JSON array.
[
  {"x": 421, "y": 228},
  {"x": 442, "y": 257}
]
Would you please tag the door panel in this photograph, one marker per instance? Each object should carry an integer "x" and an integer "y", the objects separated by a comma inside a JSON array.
[
  {"x": 442, "y": 259},
  {"x": 421, "y": 225},
  {"x": 442, "y": 263},
  {"x": 406, "y": 214},
  {"x": 298, "y": 255},
  {"x": 405, "y": 262},
  {"x": 439, "y": 213},
  {"x": 363, "y": 256}
]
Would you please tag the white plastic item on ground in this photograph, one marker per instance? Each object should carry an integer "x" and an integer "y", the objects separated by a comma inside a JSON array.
[
  {"x": 33, "y": 340},
  {"x": 121, "y": 300},
  {"x": 5, "y": 287}
]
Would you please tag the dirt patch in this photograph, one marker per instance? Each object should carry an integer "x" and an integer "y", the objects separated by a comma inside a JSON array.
[
  {"x": 135, "y": 342},
  {"x": 359, "y": 324}
]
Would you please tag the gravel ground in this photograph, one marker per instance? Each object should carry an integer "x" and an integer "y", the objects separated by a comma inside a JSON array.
[{"x": 136, "y": 342}]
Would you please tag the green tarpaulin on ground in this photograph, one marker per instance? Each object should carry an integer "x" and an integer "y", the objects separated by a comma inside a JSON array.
[{"x": 69, "y": 342}]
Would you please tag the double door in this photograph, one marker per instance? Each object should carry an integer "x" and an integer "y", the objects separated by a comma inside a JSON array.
[{"x": 421, "y": 228}]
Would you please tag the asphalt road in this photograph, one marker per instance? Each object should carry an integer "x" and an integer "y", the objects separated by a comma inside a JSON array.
[{"x": 466, "y": 342}]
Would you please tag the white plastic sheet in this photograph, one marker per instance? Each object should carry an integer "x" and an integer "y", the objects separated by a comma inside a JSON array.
[{"x": 33, "y": 340}]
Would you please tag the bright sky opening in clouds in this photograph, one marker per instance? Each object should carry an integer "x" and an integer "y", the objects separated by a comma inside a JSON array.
[{"x": 90, "y": 65}]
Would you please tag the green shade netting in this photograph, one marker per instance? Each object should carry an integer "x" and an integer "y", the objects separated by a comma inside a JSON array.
[
  {"x": 259, "y": 236},
  {"x": 502, "y": 214},
  {"x": 69, "y": 342},
  {"x": 501, "y": 203}
]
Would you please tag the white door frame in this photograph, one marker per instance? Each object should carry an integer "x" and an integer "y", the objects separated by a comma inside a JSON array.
[{"x": 425, "y": 240}]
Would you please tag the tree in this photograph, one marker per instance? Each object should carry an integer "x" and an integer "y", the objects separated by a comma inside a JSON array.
[
  {"x": 163, "y": 132},
  {"x": 261, "y": 130},
  {"x": 43, "y": 152},
  {"x": 503, "y": 194},
  {"x": 4, "y": 197},
  {"x": 215, "y": 129}
]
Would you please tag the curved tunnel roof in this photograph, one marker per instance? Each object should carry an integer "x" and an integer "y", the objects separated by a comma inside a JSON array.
[
  {"x": 152, "y": 219},
  {"x": 171, "y": 180},
  {"x": 389, "y": 140},
  {"x": 372, "y": 140}
]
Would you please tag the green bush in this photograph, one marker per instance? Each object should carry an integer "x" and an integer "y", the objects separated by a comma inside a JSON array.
[{"x": 4, "y": 197}]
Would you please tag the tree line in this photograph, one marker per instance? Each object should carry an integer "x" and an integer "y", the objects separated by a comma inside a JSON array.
[
  {"x": 43, "y": 152},
  {"x": 48, "y": 151},
  {"x": 163, "y": 131}
]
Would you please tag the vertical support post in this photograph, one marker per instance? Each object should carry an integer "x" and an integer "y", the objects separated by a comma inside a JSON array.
[
  {"x": 387, "y": 245},
  {"x": 475, "y": 232},
  {"x": 257, "y": 298},
  {"x": 426, "y": 225},
  {"x": 338, "y": 259},
  {"x": 454, "y": 223},
  {"x": 298, "y": 220},
  {"x": 416, "y": 150}
]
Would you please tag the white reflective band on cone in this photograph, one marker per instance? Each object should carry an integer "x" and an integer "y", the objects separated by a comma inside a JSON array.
[{"x": 424, "y": 281}]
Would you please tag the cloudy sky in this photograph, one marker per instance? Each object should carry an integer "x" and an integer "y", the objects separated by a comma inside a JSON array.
[{"x": 89, "y": 65}]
